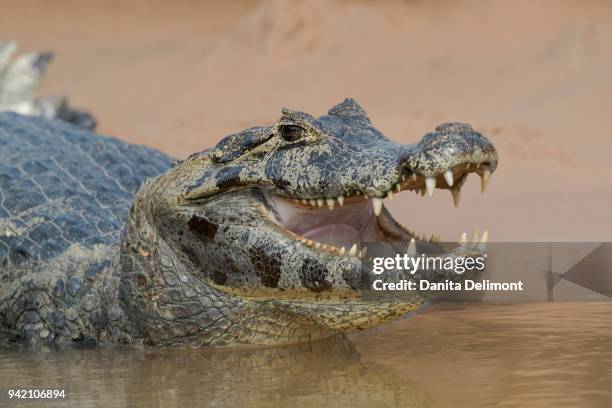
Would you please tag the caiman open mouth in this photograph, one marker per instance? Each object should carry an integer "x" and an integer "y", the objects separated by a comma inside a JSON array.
[{"x": 340, "y": 225}]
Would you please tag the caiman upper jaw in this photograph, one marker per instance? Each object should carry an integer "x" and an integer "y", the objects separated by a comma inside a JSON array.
[
  {"x": 451, "y": 179},
  {"x": 349, "y": 158}
]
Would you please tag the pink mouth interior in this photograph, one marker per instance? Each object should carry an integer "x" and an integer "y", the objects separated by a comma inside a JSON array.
[{"x": 340, "y": 227}]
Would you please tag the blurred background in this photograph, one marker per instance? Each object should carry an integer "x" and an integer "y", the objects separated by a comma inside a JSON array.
[{"x": 533, "y": 76}]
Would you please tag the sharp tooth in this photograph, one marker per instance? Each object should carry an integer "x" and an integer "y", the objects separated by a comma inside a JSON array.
[
  {"x": 317, "y": 245},
  {"x": 411, "y": 248},
  {"x": 474, "y": 239},
  {"x": 313, "y": 202},
  {"x": 430, "y": 184},
  {"x": 324, "y": 247},
  {"x": 304, "y": 201},
  {"x": 363, "y": 252},
  {"x": 390, "y": 195},
  {"x": 467, "y": 166},
  {"x": 403, "y": 177},
  {"x": 353, "y": 250},
  {"x": 414, "y": 177},
  {"x": 342, "y": 251},
  {"x": 456, "y": 192},
  {"x": 330, "y": 203},
  {"x": 484, "y": 179},
  {"x": 398, "y": 187},
  {"x": 341, "y": 200},
  {"x": 320, "y": 202},
  {"x": 448, "y": 176},
  {"x": 377, "y": 203},
  {"x": 483, "y": 241},
  {"x": 463, "y": 239}
]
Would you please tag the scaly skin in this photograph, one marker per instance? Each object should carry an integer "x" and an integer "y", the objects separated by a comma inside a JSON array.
[
  {"x": 219, "y": 250},
  {"x": 64, "y": 197}
]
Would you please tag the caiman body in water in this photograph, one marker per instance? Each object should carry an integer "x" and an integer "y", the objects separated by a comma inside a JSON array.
[{"x": 257, "y": 241}]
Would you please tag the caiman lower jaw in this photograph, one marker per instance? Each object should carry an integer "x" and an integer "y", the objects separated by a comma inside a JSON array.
[{"x": 340, "y": 225}]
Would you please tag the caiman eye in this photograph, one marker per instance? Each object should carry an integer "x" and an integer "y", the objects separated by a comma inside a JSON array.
[{"x": 291, "y": 133}]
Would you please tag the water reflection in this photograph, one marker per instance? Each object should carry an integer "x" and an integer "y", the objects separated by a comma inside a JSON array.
[
  {"x": 307, "y": 375},
  {"x": 459, "y": 355},
  {"x": 511, "y": 355}
]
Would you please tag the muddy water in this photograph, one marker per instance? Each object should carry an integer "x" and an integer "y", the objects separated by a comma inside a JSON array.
[{"x": 536, "y": 355}]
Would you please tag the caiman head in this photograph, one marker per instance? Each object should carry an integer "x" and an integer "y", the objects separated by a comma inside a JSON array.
[{"x": 260, "y": 240}]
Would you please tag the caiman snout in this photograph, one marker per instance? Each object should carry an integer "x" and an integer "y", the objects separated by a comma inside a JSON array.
[{"x": 450, "y": 145}]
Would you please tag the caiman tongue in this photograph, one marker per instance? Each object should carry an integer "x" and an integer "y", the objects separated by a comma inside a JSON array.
[{"x": 341, "y": 226}]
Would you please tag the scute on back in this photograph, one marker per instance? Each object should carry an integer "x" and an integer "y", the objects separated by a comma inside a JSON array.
[{"x": 60, "y": 185}]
